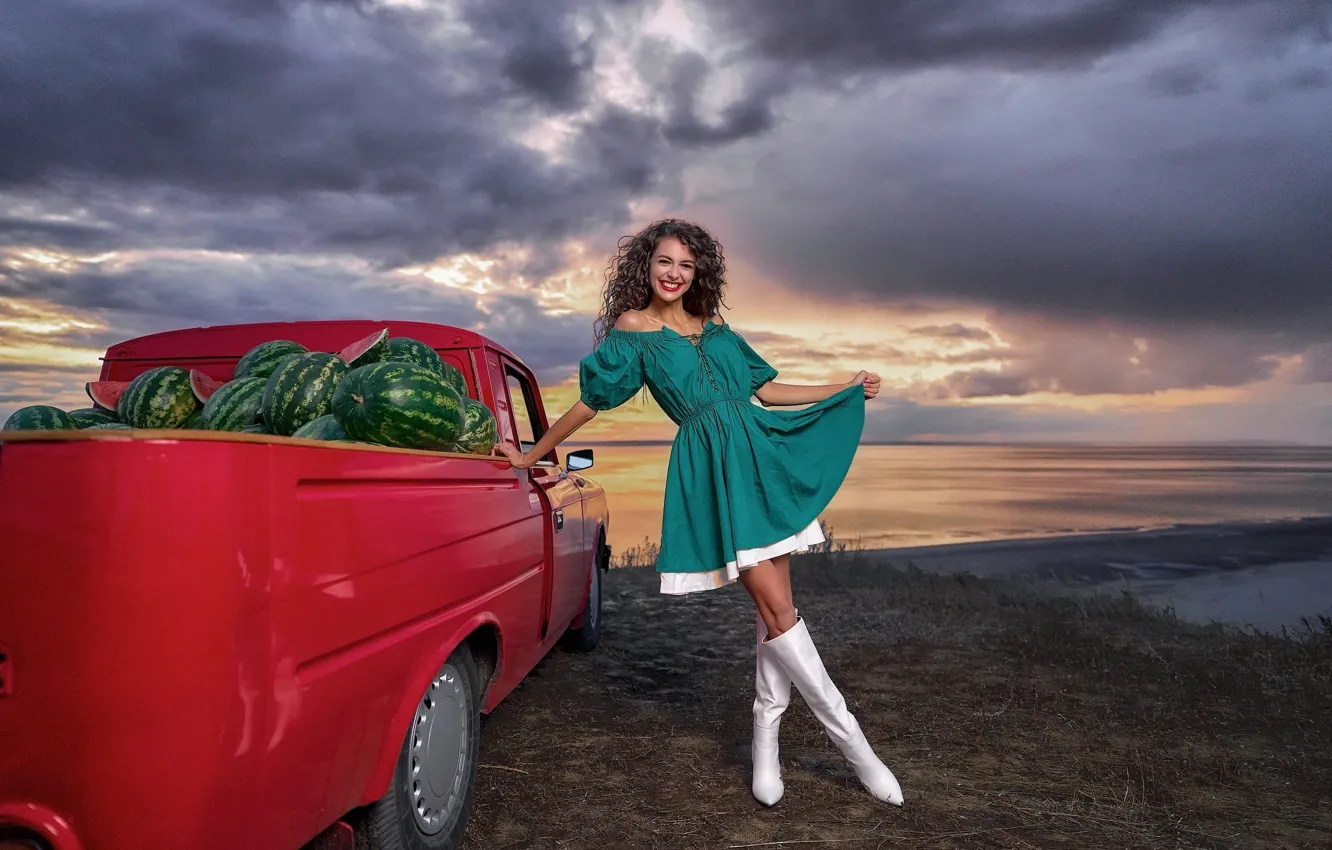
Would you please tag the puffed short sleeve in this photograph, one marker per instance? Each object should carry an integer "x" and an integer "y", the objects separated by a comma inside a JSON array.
[
  {"x": 609, "y": 376},
  {"x": 759, "y": 370}
]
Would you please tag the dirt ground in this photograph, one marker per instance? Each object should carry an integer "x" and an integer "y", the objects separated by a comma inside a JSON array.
[{"x": 1012, "y": 718}]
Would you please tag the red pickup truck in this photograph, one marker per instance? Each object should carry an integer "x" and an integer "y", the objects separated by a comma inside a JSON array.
[{"x": 224, "y": 640}]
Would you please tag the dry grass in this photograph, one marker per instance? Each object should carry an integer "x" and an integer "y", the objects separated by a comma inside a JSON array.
[{"x": 1013, "y": 718}]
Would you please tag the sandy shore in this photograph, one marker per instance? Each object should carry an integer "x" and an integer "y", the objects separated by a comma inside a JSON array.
[
  {"x": 1260, "y": 575},
  {"x": 1014, "y": 718}
]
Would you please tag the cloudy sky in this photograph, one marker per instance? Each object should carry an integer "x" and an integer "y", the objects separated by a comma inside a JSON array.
[{"x": 1037, "y": 219}]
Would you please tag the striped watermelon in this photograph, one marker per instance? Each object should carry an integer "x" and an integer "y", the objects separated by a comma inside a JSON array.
[
  {"x": 195, "y": 422},
  {"x": 453, "y": 376},
  {"x": 263, "y": 359},
  {"x": 158, "y": 398},
  {"x": 39, "y": 417},
  {"x": 301, "y": 390},
  {"x": 235, "y": 405},
  {"x": 87, "y": 416},
  {"x": 203, "y": 386},
  {"x": 402, "y": 349},
  {"x": 325, "y": 427},
  {"x": 109, "y": 426},
  {"x": 257, "y": 428},
  {"x": 399, "y": 404},
  {"x": 479, "y": 432},
  {"x": 106, "y": 394},
  {"x": 363, "y": 352}
]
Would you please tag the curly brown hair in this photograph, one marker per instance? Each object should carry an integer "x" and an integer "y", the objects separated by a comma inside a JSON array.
[{"x": 628, "y": 286}]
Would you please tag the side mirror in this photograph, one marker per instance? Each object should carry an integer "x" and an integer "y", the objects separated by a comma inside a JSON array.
[{"x": 580, "y": 459}]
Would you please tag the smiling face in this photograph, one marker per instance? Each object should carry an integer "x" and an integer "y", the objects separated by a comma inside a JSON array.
[{"x": 671, "y": 270}]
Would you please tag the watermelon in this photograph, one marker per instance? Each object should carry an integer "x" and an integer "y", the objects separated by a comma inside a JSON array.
[
  {"x": 158, "y": 398},
  {"x": 106, "y": 394},
  {"x": 325, "y": 427},
  {"x": 453, "y": 376},
  {"x": 407, "y": 350},
  {"x": 363, "y": 352},
  {"x": 399, "y": 404},
  {"x": 257, "y": 428},
  {"x": 86, "y": 416},
  {"x": 403, "y": 349},
  {"x": 301, "y": 390},
  {"x": 195, "y": 422},
  {"x": 109, "y": 426},
  {"x": 40, "y": 417},
  {"x": 263, "y": 359},
  {"x": 235, "y": 405},
  {"x": 203, "y": 386},
  {"x": 479, "y": 432}
]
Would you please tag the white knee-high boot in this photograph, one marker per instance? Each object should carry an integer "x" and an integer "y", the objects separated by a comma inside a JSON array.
[
  {"x": 772, "y": 694},
  {"x": 794, "y": 651}
]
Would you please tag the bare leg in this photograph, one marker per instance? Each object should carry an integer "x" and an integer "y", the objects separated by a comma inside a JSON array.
[{"x": 769, "y": 585}]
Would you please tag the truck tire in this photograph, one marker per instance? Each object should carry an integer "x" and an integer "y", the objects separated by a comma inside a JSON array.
[
  {"x": 585, "y": 637},
  {"x": 427, "y": 806}
]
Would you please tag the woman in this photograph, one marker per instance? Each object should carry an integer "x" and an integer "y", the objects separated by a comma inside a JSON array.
[{"x": 744, "y": 485}]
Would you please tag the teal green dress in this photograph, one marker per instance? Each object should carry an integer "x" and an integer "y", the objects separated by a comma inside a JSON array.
[{"x": 744, "y": 482}]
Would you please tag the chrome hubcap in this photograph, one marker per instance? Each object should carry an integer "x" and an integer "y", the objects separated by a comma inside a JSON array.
[{"x": 438, "y": 752}]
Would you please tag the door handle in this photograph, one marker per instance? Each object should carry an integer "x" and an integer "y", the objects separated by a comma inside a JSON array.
[{"x": 559, "y": 520}]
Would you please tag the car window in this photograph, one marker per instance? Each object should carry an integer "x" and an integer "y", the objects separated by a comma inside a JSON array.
[{"x": 524, "y": 418}]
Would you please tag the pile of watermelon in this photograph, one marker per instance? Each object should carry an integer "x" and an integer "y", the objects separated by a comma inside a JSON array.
[{"x": 380, "y": 390}]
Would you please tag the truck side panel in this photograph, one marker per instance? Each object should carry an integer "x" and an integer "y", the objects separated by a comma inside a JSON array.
[
  {"x": 230, "y": 638},
  {"x": 378, "y": 562}
]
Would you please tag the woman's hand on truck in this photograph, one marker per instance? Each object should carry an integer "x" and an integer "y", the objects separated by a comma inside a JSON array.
[{"x": 517, "y": 458}]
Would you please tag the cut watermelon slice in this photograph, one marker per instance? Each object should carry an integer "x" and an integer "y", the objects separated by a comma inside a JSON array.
[
  {"x": 203, "y": 386},
  {"x": 366, "y": 351},
  {"x": 106, "y": 394}
]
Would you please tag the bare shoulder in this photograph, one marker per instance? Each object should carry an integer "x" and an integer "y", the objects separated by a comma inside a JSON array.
[
  {"x": 718, "y": 318},
  {"x": 632, "y": 320}
]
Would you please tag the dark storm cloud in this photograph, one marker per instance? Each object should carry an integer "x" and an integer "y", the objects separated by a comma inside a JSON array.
[
  {"x": 15, "y": 230},
  {"x": 160, "y": 294},
  {"x": 541, "y": 52},
  {"x": 1104, "y": 357},
  {"x": 302, "y": 126},
  {"x": 1117, "y": 173},
  {"x": 1317, "y": 366},
  {"x": 1309, "y": 78},
  {"x": 687, "y": 72},
  {"x": 1181, "y": 80},
  {"x": 845, "y": 37},
  {"x": 1161, "y": 222}
]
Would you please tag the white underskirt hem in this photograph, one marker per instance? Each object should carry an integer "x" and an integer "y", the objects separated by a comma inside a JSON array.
[{"x": 677, "y": 584}]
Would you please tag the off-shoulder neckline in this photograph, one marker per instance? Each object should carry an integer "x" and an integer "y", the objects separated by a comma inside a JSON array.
[{"x": 709, "y": 325}]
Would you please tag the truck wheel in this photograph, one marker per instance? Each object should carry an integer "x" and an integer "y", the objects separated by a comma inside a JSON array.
[
  {"x": 586, "y": 637},
  {"x": 427, "y": 806}
]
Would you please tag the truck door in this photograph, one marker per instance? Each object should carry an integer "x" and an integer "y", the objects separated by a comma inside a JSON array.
[{"x": 570, "y": 562}]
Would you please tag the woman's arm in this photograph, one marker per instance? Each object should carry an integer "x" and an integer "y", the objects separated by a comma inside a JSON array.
[
  {"x": 573, "y": 419},
  {"x": 773, "y": 394}
]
